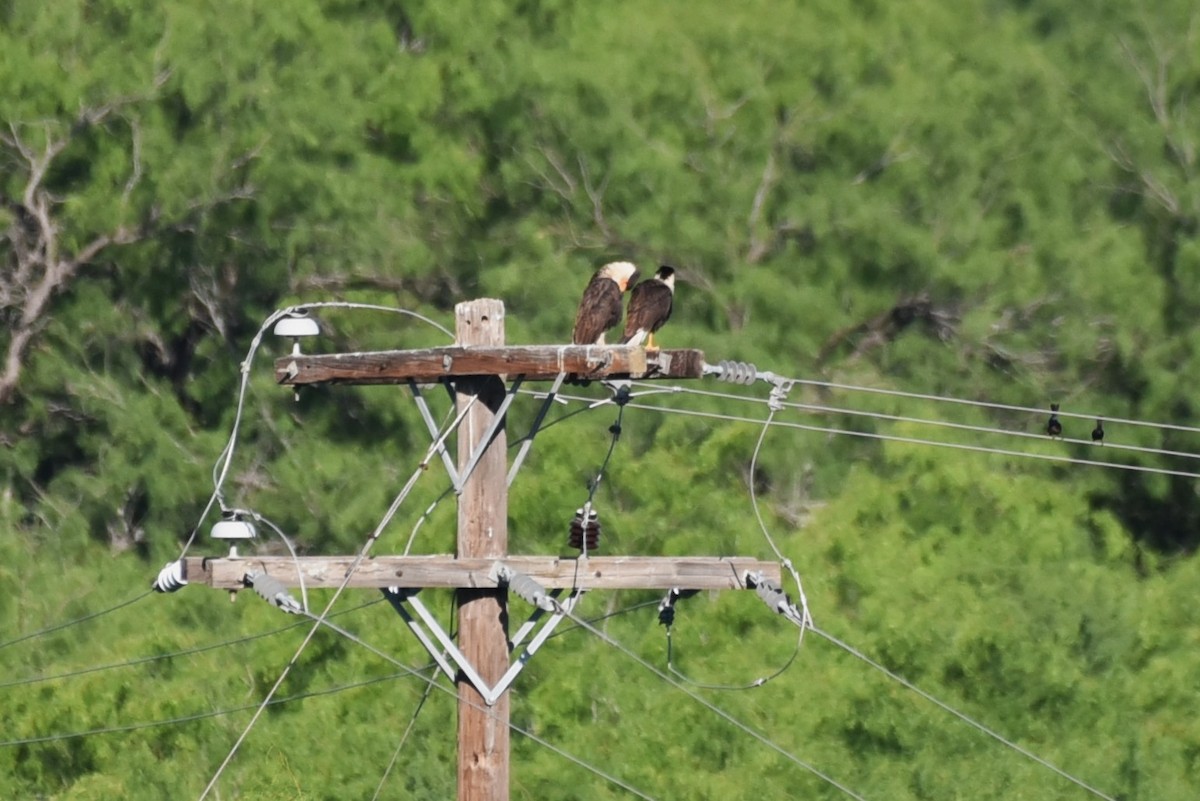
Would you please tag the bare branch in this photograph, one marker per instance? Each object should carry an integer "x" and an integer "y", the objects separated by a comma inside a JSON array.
[
  {"x": 1151, "y": 185},
  {"x": 135, "y": 155},
  {"x": 759, "y": 247},
  {"x": 1156, "y": 83},
  {"x": 596, "y": 195},
  {"x": 566, "y": 186}
]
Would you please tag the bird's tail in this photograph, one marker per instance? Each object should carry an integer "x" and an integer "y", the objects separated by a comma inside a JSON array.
[{"x": 636, "y": 338}]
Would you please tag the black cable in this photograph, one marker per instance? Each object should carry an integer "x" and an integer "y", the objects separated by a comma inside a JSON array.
[
  {"x": 69, "y": 623},
  {"x": 49, "y": 738},
  {"x": 142, "y": 660}
]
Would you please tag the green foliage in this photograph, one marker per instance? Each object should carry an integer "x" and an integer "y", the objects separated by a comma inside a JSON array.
[{"x": 993, "y": 200}]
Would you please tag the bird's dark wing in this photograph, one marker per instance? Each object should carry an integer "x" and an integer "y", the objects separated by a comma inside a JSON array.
[
  {"x": 650, "y": 307},
  {"x": 599, "y": 310}
]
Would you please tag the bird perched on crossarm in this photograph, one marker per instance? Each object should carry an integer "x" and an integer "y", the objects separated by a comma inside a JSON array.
[
  {"x": 600, "y": 308},
  {"x": 650, "y": 306}
]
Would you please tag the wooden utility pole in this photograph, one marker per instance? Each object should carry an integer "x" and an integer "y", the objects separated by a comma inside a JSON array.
[
  {"x": 476, "y": 369},
  {"x": 483, "y": 734}
]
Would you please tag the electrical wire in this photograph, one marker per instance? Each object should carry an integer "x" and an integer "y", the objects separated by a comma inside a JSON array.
[
  {"x": 225, "y": 457},
  {"x": 814, "y": 407},
  {"x": 762, "y": 738},
  {"x": 488, "y": 711},
  {"x": 784, "y": 561},
  {"x": 586, "y": 514},
  {"x": 615, "y": 430},
  {"x": 911, "y": 440},
  {"x": 429, "y": 684},
  {"x": 347, "y": 304},
  {"x": 142, "y": 660},
  {"x": 412, "y": 721},
  {"x": 591, "y": 404},
  {"x": 412, "y": 536},
  {"x": 212, "y": 713},
  {"x": 75, "y": 621},
  {"x": 362, "y": 554},
  {"x": 287, "y": 541},
  {"x": 989, "y": 405},
  {"x": 605, "y": 616},
  {"x": 961, "y": 716}
]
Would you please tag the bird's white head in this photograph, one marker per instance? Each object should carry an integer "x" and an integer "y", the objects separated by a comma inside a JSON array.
[{"x": 623, "y": 272}]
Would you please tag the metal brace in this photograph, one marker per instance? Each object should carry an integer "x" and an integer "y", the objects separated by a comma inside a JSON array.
[
  {"x": 457, "y": 479},
  {"x": 527, "y": 441},
  {"x": 427, "y": 629}
]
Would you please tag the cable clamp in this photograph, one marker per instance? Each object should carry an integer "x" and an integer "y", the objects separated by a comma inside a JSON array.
[
  {"x": 666, "y": 607},
  {"x": 779, "y": 392},
  {"x": 395, "y": 593},
  {"x": 622, "y": 391}
]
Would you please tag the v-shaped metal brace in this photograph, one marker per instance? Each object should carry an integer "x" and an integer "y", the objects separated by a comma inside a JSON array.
[
  {"x": 459, "y": 479},
  {"x": 428, "y": 630}
]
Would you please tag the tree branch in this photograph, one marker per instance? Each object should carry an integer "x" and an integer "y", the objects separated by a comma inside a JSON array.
[{"x": 35, "y": 269}]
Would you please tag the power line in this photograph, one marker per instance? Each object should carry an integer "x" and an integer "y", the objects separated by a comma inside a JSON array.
[
  {"x": 212, "y": 713},
  {"x": 171, "y": 655},
  {"x": 412, "y": 721},
  {"x": 961, "y": 716},
  {"x": 486, "y": 710},
  {"x": 225, "y": 459},
  {"x": 778, "y": 555},
  {"x": 69, "y": 623},
  {"x": 989, "y": 405},
  {"x": 777, "y": 403},
  {"x": 912, "y": 440},
  {"x": 813, "y": 407},
  {"x": 762, "y": 738},
  {"x": 362, "y": 554}
]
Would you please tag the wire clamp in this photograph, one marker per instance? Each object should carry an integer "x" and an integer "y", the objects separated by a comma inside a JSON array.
[
  {"x": 779, "y": 392},
  {"x": 666, "y": 607}
]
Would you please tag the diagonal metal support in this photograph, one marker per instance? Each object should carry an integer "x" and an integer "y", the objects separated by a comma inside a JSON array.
[
  {"x": 431, "y": 424},
  {"x": 432, "y": 628},
  {"x": 486, "y": 439},
  {"x": 527, "y": 442},
  {"x": 397, "y": 598},
  {"x": 547, "y": 628},
  {"x": 431, "y": 635}
]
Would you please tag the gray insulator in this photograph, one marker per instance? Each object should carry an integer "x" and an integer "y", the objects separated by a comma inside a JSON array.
[
  {"x": 737, "y": 372},
  {"x": 774, "y": 597},
  {"x": 273, "y": 591},
  {"x": 530, "y": 591}
]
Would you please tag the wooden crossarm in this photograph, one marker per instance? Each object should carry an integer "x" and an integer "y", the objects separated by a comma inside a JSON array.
[
  {"x": 535, "y": 362},
  {"x": 593, "y": 572}
]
